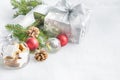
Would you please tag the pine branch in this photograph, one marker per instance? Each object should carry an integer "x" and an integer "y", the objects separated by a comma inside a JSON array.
[
  {"x": 18, "y": 31},
  {"x": 24, "y": 6},
  {"x": 14, "y": 27},
  {"x": 42, "y": 38},
  {"x": 39, "y": 19}
]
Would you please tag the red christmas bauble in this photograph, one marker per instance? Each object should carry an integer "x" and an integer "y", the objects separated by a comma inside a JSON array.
[
  {"x": 63, "y": 39},
  {"x": 32, "y": 43}
]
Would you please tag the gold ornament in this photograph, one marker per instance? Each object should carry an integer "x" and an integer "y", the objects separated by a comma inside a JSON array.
[
  {"x": 33, "y": 31},
  {"x": 41, "y": 55}
]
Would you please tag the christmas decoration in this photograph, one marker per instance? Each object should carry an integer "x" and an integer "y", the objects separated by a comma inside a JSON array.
[
  {"x": 53, "y": 45},
  {"x": 41, "y": 55},
  {"x": 24, "y": 6},
  {"x": 32, "y": 43},
  {"x": 33, "y": 31},
  {"x": 63, "y": 39},
  {"x": 22, "y": 34},
  {"x": 39, "y": 19},
  {"x": 18, "y": 31},
  {"x": 42, "y": 27},
  {"x": 69, "y": 19}
]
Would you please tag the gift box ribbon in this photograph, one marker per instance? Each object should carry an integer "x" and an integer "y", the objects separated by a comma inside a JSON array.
[{"x": 72, "y": 16}]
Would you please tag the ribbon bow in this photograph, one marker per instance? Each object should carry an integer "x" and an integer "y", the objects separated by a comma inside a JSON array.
[{"x": 65, "y": 7}]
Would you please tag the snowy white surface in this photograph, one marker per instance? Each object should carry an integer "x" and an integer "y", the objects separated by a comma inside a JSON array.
[{"x": 96, "y": 58}]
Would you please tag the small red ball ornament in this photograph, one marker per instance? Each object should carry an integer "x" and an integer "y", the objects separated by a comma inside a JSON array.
[
  {"x": 63, "y": 39},
  {"x": 32, "y": 43}
]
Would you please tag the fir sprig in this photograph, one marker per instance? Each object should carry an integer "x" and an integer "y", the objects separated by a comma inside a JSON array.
[
  {"x": 39, "y": 19},
  {"x": 24, "y": 6},
  {"x": 18, "y": 31}
]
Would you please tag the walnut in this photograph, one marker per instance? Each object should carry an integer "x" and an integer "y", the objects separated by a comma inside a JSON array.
[
  {"x": 22, "y": 47},
  {"x": 41, "y": 55},
  {"x": 33, "y": 31}
]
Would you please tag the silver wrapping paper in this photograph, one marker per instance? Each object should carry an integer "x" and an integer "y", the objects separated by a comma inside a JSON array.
[{"x": 67, "y": 18}]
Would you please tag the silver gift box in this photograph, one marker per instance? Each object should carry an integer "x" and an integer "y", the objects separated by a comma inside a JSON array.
[{"x": 55, "y": 24}]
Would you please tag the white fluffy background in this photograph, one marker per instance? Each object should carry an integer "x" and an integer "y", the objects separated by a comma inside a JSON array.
[{"x": 96, "y": 58}]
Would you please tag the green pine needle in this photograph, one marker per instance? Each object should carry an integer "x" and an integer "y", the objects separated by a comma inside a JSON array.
[
  {"x": 24, "y": 6},
  {"x": 18, "y": 31},
  {"x": 39, "y": 19}
]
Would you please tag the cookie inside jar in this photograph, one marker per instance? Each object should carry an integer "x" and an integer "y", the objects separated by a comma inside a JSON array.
[{"x": 16, "y": 55}]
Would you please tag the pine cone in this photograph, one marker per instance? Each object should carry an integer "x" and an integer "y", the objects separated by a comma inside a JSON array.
[
  {"x": 41, "y": 56},
  {"x": 33, "y": 31}
]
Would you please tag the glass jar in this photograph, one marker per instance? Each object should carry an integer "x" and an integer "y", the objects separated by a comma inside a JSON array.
[{"x": 14, "y": 54}]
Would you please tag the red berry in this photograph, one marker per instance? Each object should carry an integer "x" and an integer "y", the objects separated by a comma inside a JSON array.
[
  {"x": 32, "y": 43},
  {"x": 63, "y": 39}
]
